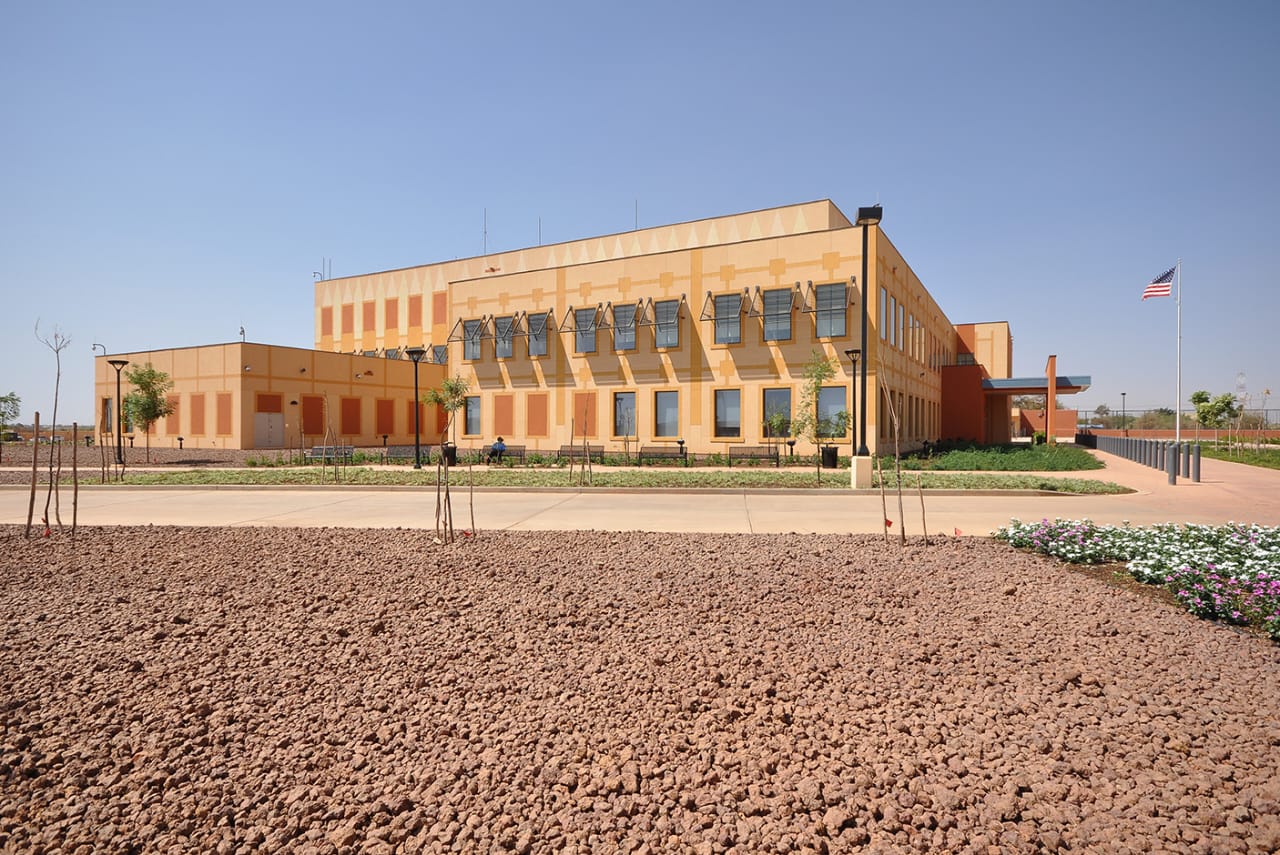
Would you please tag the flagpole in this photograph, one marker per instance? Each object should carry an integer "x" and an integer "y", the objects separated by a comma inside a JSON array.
[{"x": 1177, "y": 427}]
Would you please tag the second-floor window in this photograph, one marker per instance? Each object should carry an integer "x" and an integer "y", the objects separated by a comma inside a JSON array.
[
  {"x": 777, "y": 315},
  {"x": 624, "y": 327},
  {"x": 728, "y": 319},
  {"x": 471, "y": 339},
  {"x": 584, "y": 326},
  {"x": 830, "y": 315},
  {"x": 502, "y": 328},
  {"x": 537, "y": 335},
  {"x": 666, "y": 323}
]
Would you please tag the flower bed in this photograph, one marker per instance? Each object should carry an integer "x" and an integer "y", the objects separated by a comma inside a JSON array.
[{"x": 1229, "y": 573}]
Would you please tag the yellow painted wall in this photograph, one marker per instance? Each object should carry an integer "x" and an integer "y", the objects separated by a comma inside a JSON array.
[{"x": 243, "y": 372}]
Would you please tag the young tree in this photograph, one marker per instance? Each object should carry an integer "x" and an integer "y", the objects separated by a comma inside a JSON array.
[
  {"x": 1214, "y": 412},
  {"x": 147, "y": 402},
  {"x": 10, "y": 406},
  {"x": 809, "y": 422},
  {"x": 450, "y": 397},
  {"x": 57, "y": 342}
]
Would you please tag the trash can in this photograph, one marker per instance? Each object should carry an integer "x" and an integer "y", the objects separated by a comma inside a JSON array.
[
  {"x": 828, "y": 457},
  {"x": 450, "y": 454}
]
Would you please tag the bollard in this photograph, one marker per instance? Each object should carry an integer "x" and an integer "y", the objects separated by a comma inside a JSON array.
[
  {"x": 1184, "y": 454},
  {"x": 1195, "y": 463},
  {"x": 1171, "y": 455}
]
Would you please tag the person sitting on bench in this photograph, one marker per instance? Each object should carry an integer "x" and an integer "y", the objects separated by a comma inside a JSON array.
[{"x": 496, "y": 451}]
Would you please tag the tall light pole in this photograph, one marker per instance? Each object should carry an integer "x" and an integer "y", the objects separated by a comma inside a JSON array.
[
  {"x": 866, "y": 217},
  {"x": 853, "y": 355},
  {"x": 118, "y": 365},
  {"x": 416, "y": 354}
]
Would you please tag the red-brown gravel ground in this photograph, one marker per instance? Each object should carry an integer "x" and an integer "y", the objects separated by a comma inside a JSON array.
[{"x": 338, "y": 690}]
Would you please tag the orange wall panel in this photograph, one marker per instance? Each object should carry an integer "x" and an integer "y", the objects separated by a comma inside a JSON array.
[
  {"x": 172, "y": 424},
  {"x": 326, "y": 322},
  {"x": 312, "y": 415},
  {"x": 384, "y": 416},
  {"x": 503, "y": 420},
  {"x": 439, "y": 308},
  {"x": 348, "y": 319},
  {"x": 350, "y": 417},
  {"x": 536, "y": 414},
  {"x": 269, "y": 403},
  {"x": 392, "y": 312},
  {"x": 415, "y": 311},
  {"x": 584, "y": 414},
  {"x": 223, "y": 418},
  {"x": 197, "y": 414}
]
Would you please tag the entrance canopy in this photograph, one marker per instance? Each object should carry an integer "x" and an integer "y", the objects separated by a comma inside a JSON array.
[{"x": 1063, "y": 384}]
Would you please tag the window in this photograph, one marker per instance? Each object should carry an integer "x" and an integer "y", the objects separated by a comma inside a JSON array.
[
  {"x": 830, "y": 317},
  {"x": 584, "y": 328},
  {"x": 884, "y": 308},
  {"x": 624, "y": 327},
  {"x": 777, "y": 315},
  {"x": 440, "y": 354},
  {"x": 830, "y": 407},
  {"x": 729, "y": 319},
  {"x": 502, "y": 334},
  {"x": 471, "y": 424},
  {"x": 624, "y": 413},
  {"x": 728, "y": 412},
  {"x": 538, "y": 335},
  {"x": 471, "y": 339},
  {"x": 777, "y": 413},
  {"x": 666, "y": 414},
  {"x": 666, "y": 323}
]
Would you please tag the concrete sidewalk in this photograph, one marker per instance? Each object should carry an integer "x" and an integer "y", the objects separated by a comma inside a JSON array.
[{"x": 1228, "y": 492}]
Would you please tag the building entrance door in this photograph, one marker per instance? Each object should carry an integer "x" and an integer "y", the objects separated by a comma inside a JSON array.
[{"x": 268, "y": 430}]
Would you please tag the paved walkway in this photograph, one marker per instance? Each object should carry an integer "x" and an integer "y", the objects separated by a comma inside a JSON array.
[{"x": 1227, "y": 492}]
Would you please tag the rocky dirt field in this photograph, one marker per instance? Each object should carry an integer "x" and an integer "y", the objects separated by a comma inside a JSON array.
[{"x": 321, "y": 690}]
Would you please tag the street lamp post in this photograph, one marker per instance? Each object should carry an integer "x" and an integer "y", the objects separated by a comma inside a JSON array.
[
  {"x": 416, "y": 354},
  {"x": 118, "y": 365},
  {"x": 866, "y": 217},
  {"x": 853, "y": 355},
  {"x": 1124, "y": 422}
]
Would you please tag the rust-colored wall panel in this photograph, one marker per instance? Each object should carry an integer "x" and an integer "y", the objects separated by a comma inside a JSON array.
[
  {"x": 348, "y": 319},
  {"x": 385, "y": 416},
  {"x": 270, "y": 403},
  {"x": 503, "y": 421},
  {"x": 222, "y": 426},
  {"x": 350, "y": 417},
  {"x": 197, "y": 414},
  {"x": 536, "y": 414},
  {"x": 439, "y": 307},
  {"x": 584, "y": 414},
  {"x": 423, "y": 425},
  {"x": 369, "y": 316},
  {"x": 415, "y": 311},
  {"x": 326, "y": 321},
  {"x": 393, "y": 315},
  {"x": 171, "y": 423},
  {"x": 312, "y": 415}
]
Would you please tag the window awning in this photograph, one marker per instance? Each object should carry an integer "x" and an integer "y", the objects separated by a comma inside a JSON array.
[
  {"x": 570, "y": 321},
  {"x": 809, "y": 298},
  {"x": 484, "y": 331},
  {"x": 709, "y": 304},
  {"x": 646, "y": 316}
]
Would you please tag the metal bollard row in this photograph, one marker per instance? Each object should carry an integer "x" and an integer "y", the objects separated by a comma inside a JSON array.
[{"x": 1170, "y": 457}]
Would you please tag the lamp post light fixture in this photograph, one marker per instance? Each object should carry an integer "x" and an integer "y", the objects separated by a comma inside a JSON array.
[
  {"x": 416, "y": 354},
  {"x": 866, "y": 217},
  {"x": 118, "y": 365},
  {"x": 853, "y": 355}
]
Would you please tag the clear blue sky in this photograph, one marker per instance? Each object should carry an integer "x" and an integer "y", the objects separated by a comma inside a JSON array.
[{"x": 170, "y": 171}]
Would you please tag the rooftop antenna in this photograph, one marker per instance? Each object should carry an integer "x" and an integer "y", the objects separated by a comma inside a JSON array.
[{"x": 242, "y": 333}]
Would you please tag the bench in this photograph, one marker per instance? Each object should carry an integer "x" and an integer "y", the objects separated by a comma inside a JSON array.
[
  {"x": 330, "y": 453},
  {"x": 753, "y": 452},
  {"x": 513, "y": 453},
  {"x": 404, "y": 452},
  {"x": 662, "y": 452},
  {"x": 577, "y": 452}
]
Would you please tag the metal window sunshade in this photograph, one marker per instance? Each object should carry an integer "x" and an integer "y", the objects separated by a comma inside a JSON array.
[
  {"x": 570, "y": 322},
  {"x": 810, "y": 296},
  {"x": 709, "y": 304}
]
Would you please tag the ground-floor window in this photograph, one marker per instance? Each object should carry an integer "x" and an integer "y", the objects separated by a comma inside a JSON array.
[
  {"x": 666, "y": 413},
  {"x": 777, "y": 413},
  {"x": 471, "y": 421},
  {"x": 833, "y": 416},
  {"x": 728, "y": 412},
  {"x": 624, "y": 413}
]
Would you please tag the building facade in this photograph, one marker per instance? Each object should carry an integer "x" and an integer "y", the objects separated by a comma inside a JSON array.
[{"x": 692, "y": 334}]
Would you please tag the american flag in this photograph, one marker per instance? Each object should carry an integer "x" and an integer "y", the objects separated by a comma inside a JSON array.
[{"x": 1162, "y": 285}]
